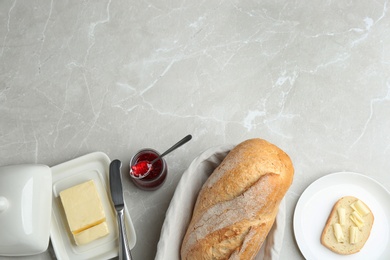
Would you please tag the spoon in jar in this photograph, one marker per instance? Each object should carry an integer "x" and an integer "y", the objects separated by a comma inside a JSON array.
[{"x": 142, "y": 169}]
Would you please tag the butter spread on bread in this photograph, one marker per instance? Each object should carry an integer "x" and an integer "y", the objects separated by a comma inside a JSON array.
[
  {"x": 238, "y": 203},
  {"x": 350, "y": 236}
]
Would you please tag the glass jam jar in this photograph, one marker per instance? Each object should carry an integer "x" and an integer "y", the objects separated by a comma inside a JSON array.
[{"x": 158, "y": 172}]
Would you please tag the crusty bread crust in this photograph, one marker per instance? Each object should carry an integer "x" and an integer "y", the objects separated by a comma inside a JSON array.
[
  {"x": 237, "y": 205},
  {"x": 328, "y": 237}
]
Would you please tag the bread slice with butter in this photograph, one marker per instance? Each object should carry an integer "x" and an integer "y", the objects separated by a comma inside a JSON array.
[{"x": 348, "y": 226}]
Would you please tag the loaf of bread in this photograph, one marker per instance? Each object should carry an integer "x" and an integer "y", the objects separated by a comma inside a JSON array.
[
  {"x": 238, "y": 203},
  {"x": 348, "y": 226}
]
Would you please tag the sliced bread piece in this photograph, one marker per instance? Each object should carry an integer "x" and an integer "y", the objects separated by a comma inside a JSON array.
[{"x": 348, "y": 226}]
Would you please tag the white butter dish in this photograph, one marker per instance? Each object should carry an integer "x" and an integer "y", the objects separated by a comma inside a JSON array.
[
  {"x": 25, "y": 209},
  {"x": 93, "y": 166}
]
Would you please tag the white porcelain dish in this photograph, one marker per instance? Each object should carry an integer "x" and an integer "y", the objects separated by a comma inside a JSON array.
[
  {"x": 93, "y": 166},
  {"x": 25, "y": 209},
  {"x": 180, "y": 209},
  {"x": 315, "y": 205}
]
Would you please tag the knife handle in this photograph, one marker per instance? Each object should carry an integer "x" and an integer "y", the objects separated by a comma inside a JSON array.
[{"x": 124, "y": 250}]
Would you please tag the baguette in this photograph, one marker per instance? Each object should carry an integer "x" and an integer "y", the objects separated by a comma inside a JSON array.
[
  {"x": 344, "y": 243},
  {"x": 238, "y": 203}
]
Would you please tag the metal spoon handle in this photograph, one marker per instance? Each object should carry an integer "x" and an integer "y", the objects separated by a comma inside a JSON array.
[{"x": 175, "y": 146}]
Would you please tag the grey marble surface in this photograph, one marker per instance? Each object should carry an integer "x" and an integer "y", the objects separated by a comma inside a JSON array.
[{"x": 312, "y": 77}]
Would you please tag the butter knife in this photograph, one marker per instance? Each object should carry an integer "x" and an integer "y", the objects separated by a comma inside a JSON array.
[{"x": 117, "y": 199}]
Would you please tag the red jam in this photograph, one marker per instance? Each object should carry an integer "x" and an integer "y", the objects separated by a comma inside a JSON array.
[
  {"x": 141, "y": 168},
  {"x": 157, "y": 174}
]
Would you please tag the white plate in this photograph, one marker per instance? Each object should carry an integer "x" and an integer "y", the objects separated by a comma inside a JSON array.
[
  {"x": 180, "y": 209},
  {"x": 315, "y": 205},
  {"x": 93, "y": 166}
]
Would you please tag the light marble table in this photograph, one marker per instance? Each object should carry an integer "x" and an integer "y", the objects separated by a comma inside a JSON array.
[{"x": 312, "y": 77}]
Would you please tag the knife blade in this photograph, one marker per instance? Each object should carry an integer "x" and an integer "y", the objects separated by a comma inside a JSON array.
[{"x": 117, "y": 199}]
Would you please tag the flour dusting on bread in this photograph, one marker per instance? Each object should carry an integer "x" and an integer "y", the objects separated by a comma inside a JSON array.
[{"x": 237, "y": 205}]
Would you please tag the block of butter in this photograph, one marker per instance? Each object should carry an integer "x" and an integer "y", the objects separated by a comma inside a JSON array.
[
  {"x": 84, "y": 212},
  {"x": 90, "y": 234}
]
